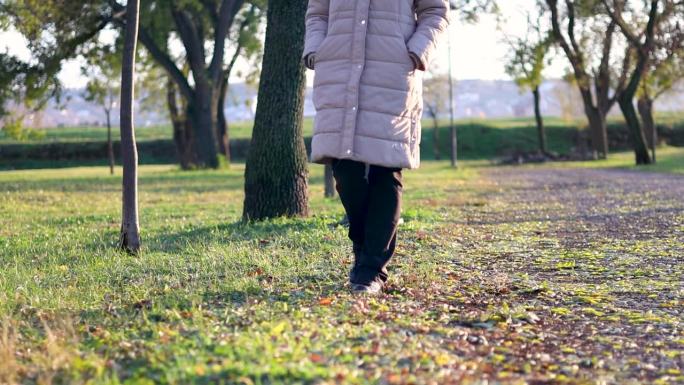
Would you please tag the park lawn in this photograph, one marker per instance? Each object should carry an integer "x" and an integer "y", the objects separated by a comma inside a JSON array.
[
  {"x": 478, "y": 139},
  {"x": 523, "y": 129},
  {"x": 209, "y": 295},
  {"x": 211, "y": 299}
]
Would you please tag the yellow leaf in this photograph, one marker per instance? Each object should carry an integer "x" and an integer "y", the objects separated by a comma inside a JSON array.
[
  {"x": 442, "y": 359},
  {"x": 279, "y": 328}
]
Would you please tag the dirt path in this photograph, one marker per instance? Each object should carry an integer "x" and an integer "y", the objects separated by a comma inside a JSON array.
[
  {"x": 584, "y": 267},
  {"x": 581, "y": 206}
]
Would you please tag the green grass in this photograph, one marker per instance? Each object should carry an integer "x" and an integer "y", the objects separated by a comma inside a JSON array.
[
  {"x": 213, "y": 300},
  {"x": 67, "y": 294}
]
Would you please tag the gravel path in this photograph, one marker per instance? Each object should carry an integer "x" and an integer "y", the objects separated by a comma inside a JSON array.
[
  {"x": 590, "y": 204},
  {"x": 591, "y": 262}
]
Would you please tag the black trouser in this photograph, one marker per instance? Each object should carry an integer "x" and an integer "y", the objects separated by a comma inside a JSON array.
[{"x": 372, "y": 200}]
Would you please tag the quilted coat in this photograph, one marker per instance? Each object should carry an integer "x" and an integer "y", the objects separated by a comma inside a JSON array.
[{"x": 367, "y": 91}]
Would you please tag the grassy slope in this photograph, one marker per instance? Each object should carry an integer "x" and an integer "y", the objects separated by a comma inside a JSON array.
[
  {"x": 670, "y": 160},
  {"x": 523, "y": 128},
  {"x": 478, "y": 139},
  {"x": 211, "y": 298},
  {"x": 77, "y": 134}
]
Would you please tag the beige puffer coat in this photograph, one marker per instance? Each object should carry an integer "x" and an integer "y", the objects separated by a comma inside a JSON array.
[{"x": 367, "y": 95}]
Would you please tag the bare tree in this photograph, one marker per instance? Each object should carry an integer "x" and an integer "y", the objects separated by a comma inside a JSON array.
[
  {"x": 594, "y": 79},
  {"x": 203, "y": 28},
  {"x": 641, "y": 33},
  {"x": 436, "y": 100},
  {"x": 130, "y": 227},
  {"x": 104, "y": 70},
  {"x": 526, "y": 63},
  {"x": 666, "y": 70}
]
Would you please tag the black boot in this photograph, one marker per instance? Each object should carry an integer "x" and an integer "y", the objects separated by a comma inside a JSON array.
[
  {"x": 357, "y": 258},
  {"x": 373, "y": 288}
]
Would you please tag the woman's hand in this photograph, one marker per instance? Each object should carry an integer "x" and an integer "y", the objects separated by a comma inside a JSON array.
[
  {"x": 417, "y": 64},
  {"x": 310, "y": 60}
]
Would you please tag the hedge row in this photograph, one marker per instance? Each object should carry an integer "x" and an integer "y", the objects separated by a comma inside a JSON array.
[
  {"x": 23, "y": 155},
  {"x": 61, "y": 154}
]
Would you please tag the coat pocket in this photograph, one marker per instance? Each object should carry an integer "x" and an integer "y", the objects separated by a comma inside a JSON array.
[
  {"x": 414, "y": 140},
  {"x": 414, "y": 130}
]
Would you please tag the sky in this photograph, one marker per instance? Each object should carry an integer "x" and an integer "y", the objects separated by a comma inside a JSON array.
[{"x": 478, "y": 50}]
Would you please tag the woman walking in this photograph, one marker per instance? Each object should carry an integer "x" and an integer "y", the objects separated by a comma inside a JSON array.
[{"x": 369, "y": 56}]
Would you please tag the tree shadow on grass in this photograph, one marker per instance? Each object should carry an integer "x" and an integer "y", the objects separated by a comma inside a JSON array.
[{"x": 235, "y": 232}]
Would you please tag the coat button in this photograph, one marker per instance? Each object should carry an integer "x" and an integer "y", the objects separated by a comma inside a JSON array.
[
  {"x": 349, "y": 152},
  {"x": 363, "y": 22},
  {"x": 353, "y": 108}
]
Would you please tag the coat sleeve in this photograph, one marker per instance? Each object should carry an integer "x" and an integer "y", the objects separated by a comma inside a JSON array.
[
  {"x": 316, "y": 25},
  {"x": 433, "y": 21}
]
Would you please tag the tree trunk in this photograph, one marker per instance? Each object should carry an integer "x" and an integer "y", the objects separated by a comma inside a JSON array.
[
  {"x": 435, "y": 139},
  {"x": 540, "y": 121},
  {"x": 645, "y": 106},
  {"x": 276, "y": 171},
  {"x": 110, "y": 146},
  {"x": 598, "y": 128},
  {"x": 202, "y": 114},
  {"x": 329, "y": 182},
  {"x": 130, "y": 228},
  {"x": 221, "y": 123},
  {"x": 435, "y": 131},
  {"x": 182, "y": 131},
  {"x": 636, "y": 132},
  {"x": 626, "y": 99}
]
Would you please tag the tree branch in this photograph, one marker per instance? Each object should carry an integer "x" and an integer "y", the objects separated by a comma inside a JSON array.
[
  {"x": 227, "y": 13},
  {"x": 616, "y": 16},
  {"x": 193, "y": 43},
  {"x": 166, "y": 62},
  {"x": 245, "y": 23},
  {"x": 571, "y": 28},
  {"x": 162, "y": 58}
]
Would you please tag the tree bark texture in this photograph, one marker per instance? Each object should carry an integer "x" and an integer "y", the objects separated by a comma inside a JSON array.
[
  {"x": 645, "y": 107},
  {"x": 110, "y": 145},
  {"x": 130, "y": 228},
  {"x": 202, "y": 114},
  {"x": 276, "y": 171},
  {"x": 222, "y": 134},
  {"x": 598, "y": 128},
  {"x": 182, "y": 131},
  {"x": 641, "y": 154},
  {"x": 541, "y": 131}
]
